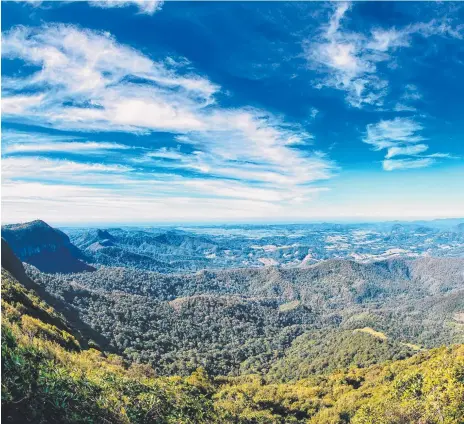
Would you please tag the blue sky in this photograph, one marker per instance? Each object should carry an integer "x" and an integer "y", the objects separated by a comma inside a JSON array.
[{"x": 130, "y": 111}]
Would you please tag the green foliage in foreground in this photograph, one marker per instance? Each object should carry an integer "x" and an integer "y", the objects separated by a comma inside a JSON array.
[{"x": 48, "y": 378}]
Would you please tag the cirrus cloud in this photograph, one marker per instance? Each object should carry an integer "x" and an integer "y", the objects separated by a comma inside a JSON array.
[
  {"x": 401, "y": 137},
  {"x": 350, "y": 60},
  {"x": 89, "y": 82},
  {"x": 147, "y": 7}
]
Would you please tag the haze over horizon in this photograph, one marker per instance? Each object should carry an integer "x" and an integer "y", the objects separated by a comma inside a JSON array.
[
  {"x": 149, "y": 112},
  {"x": 446, "y": 222}
]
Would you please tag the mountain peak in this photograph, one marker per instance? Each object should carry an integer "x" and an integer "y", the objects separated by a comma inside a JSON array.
[
  {"x": 37, "y": 223},
  {"x": 104, "y": 235},
  {"x": 45, "y": 247}
]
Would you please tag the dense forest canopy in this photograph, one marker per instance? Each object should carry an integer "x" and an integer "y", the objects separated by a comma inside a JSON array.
[{"x": 241, "y": 321}]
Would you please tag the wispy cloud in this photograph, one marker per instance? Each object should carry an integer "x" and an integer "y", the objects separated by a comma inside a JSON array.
[
  {"x": 123, "y": 180},
  {"x": 385, "y": 40},
  {"x": 70, "y": 203},
  {"x": 411, "y": 92},
  {"x": 349, "y": 60},
  {"x": 89, "y": 82},
  {"x": 64, "y": 147},
  {"x": 58, "y": 169},
  {"x": 30, "y": 142},
  {"x": 400, "y": 137},
  {"x": 19, "y": 104},
  {"x": 145, "y": 6},
  {"x": 406, "y": 150},
  {"x": 390, "y": 133},
  {"x": 84, "y": 62},
  {"x": 392, "y": 165},
  {"x": 401, "y": 107}
]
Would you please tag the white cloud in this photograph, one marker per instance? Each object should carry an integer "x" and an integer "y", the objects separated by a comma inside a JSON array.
[
  {"x": 19, "y": 104},
  {"x": 148, "y": 7},
  {"x": 68, "y": 203},
  {"x": 443, "y": 155},
  {"x": 410, "y": 95},
  {"x": 401, "y": 107},
  {"x": 123, "y": 182},
  {"x": 406, "y": 150},
  {"x": 343, "y": 56},
  {"x": 111, "y": 87},
  {"x": 396, "y": 164},
  {"x": 59, "y": 170},
  {"x": 83, "y": 62},
  {"x": 165, "y": 153},
  {"x": 385, "y": 40},
  {"x": 71, "y": 203},
  {"x": 401, "y": 137},
  {"x": 349, "y": 59},
  {"x": 411, "y": 92},
  {"x": 389, "y": 133},
  {"x": 35, "y": 3},
  {"x": 441, "y": 27},
  {"x": 335, "y": 19},
  {"x": 145, "y": 6},
  {"x": 65, "y": 147},
  {"x": 30, "y": 142}
]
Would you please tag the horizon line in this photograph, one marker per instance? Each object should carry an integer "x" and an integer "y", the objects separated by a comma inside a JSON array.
[{"x": 257, "y": 222}]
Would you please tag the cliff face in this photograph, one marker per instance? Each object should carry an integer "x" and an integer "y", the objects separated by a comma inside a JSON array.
[{"x": 47, "y": 248}]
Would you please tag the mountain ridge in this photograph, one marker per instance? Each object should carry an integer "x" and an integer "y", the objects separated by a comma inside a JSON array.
[{"x": 44, "y": 247}]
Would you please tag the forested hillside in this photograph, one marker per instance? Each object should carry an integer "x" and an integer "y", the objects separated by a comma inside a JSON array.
[
  {"x": 250, "y": 320},
  {"x": 48, "y": 377}
]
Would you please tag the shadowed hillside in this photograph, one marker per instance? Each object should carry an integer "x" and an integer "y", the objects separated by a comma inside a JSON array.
[{"x": 47, "y": 248}]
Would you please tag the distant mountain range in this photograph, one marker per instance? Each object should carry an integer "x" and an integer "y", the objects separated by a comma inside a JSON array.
[
  {"x": 167, "y": 251},
  {"x": 189, "y": 249}
]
